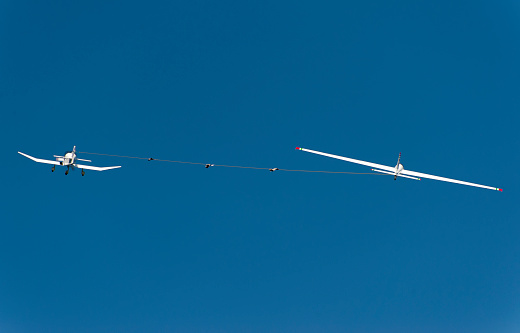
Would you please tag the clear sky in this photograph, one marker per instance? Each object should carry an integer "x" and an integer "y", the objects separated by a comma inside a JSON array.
[{"x": 161, "y": 247}]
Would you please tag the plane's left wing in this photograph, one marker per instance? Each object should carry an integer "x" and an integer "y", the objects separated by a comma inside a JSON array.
[
  {"x": 90, "y": 167},
  {"x": 449, "y": 180},
  {"x": 39, "y": 160}
]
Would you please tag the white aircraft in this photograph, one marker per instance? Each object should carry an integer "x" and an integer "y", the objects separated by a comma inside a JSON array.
[
  {"x": 398, "y": 170},
  {"x": 69, "y": 160}
]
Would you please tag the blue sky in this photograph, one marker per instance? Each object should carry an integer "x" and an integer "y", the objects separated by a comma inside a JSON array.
[{"x": 179, "y": 248}]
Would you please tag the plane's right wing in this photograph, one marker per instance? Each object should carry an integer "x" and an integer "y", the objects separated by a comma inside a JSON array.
[
  {"x": 351, "y": 160},
  {"x": 90, "y": 167},
  {"x": 39, "y": 160}
]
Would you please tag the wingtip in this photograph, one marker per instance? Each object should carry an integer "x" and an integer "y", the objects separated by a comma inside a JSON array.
[
  {"x": 500, "y": 189},
  {"x": 298, "y": 148}
]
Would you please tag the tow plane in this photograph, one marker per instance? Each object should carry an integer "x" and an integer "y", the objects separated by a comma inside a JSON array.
[
  {"x": 69, "y": 159},
  {"x": 398, "y": 170}
]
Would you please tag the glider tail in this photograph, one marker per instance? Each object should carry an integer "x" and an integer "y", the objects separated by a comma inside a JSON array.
[{"x": 393, "y": 173}]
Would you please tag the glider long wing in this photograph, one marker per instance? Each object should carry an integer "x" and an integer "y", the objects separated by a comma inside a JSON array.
[
  {"x": 372, "y": 165},
  {"x": 90, "y": 167},
  {"x": 449, "y": 180},
  {"x": 404, "y": 172},
  {"x": 39, "y": 160}
]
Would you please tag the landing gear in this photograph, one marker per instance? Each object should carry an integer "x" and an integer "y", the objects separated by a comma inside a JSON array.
[
  {"x": 53, "y": 168},
  {"x": 82, "y": 172},
  {"x": 67, "y": 172}
]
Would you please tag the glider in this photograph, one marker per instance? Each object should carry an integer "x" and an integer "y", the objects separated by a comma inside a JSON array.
[
  {"x": 398, "y": 170},
  {"x": 69, "y": 160}
]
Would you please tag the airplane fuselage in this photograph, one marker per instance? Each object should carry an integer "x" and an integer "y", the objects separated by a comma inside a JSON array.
[{"x": 68, "y": 159}]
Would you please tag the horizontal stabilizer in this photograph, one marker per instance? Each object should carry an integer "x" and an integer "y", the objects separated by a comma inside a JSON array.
[{"x": 393, "y": 173}]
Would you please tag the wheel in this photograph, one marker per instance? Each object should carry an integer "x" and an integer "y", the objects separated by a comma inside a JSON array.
[
  {"x": 52, "y": 170},
  {"x": 82, "y": 173},
  {"x": 66, "y": 172}
]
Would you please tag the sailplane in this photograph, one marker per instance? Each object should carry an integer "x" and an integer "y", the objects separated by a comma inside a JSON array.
[{"x": 398, "y": 170}]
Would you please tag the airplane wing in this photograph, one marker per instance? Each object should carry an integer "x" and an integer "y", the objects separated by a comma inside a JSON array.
[
  {"x": 372, "y": 165},
  {"x": 90, "y": 167},
  {"x": 449, "y": 180},
  {"x": 39, "y": 160},
  {"x": 404, "y": 172}
]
